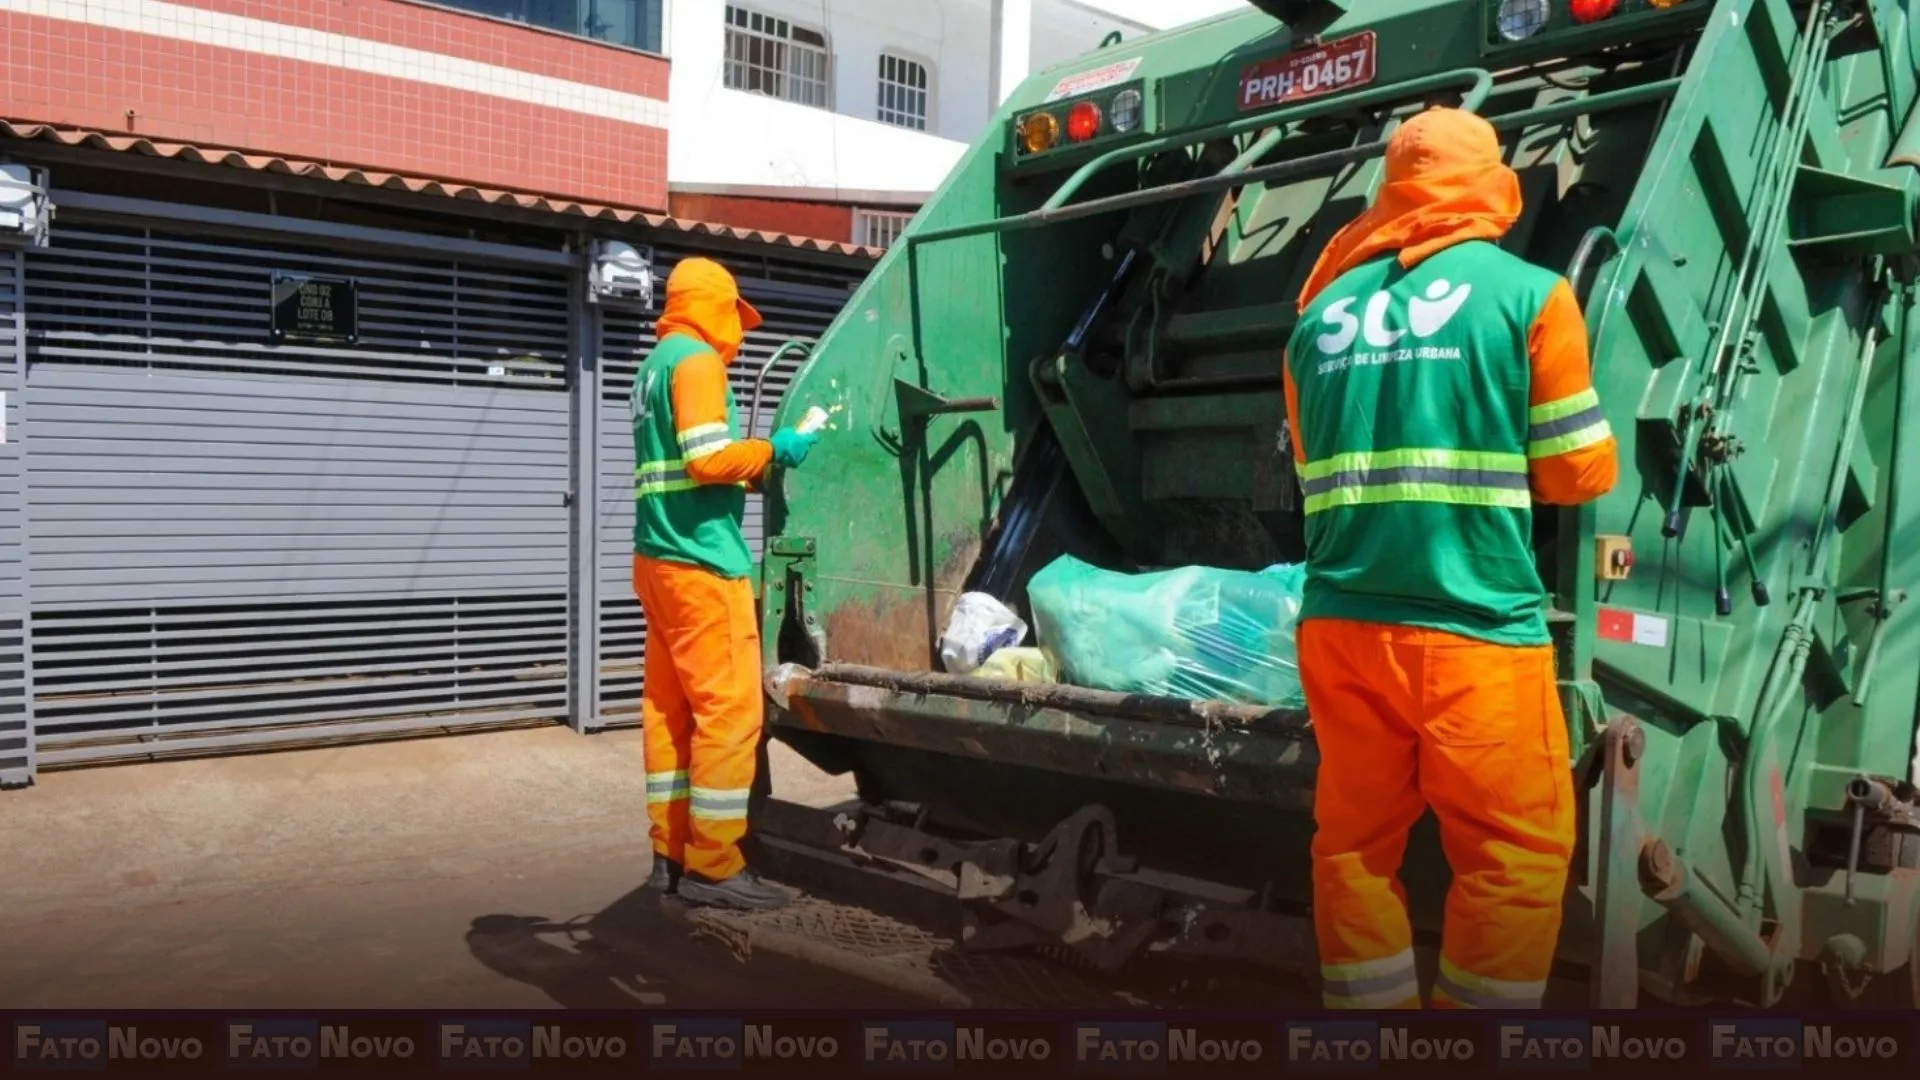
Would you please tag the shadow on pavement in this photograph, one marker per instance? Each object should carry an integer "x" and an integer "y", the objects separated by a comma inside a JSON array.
[{"x": 631, "y": 956}]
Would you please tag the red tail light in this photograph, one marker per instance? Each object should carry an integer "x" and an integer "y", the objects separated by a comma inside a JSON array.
[
  {"x": 1588, "y": 11},
  {"x": 1083, "y": 122}
]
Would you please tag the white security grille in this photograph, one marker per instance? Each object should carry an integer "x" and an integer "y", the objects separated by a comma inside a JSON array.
[
  {"x": 242, "y": 541},
  {"x": 168, "y": 302},
  {"x": 879, "y": 228},
  {"x": 16, "y": 695},
  {"x": 903, "y": 92},
  {"x": 771, "y": 56}
]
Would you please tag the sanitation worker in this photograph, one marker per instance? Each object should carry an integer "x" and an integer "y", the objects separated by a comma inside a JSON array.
[
  {"x": 701, "y": 700},
  {"x": 1435, "y": 385}
]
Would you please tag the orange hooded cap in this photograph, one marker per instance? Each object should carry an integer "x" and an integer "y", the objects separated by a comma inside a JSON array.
[
  {"x": 1446, "y": 184},
  {"x": 703, "y": 301}
]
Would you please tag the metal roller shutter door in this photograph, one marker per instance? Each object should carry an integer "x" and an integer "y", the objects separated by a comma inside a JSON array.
[
  {"x": 16, "y": 717},
  {"x": 797, "y": 302},
  {"x": 238, "y": 541}
]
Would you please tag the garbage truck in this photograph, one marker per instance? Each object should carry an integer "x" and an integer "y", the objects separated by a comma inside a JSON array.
[{"x": 1075, "y": 349}]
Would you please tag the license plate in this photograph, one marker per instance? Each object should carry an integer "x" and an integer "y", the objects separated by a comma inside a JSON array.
[{"x": 1328, "y": 69}]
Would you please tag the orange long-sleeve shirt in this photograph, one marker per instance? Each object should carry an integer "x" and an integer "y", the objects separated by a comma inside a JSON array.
[{"x": 707, "y": 444}]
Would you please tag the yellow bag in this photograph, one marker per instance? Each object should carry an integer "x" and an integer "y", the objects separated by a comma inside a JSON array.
[{"x": 1016, "y": 665}]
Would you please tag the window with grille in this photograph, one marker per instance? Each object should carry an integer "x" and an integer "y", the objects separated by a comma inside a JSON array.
[
  {"x": 771, "y": 56},
  {"x": 903, "y": 92},
  {"x": 636, "y": 24},
  {"x": 879, "y": 228}
]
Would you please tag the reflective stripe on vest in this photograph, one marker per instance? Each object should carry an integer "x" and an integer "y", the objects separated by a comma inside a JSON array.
[
  {"x": 660, "y": 477},
  {"x": 1463, "y": 477},
  {"x": 655, "y": 478},
  {"x": 1563, "y": 426}
]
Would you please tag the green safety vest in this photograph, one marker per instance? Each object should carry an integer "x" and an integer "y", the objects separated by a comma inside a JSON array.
[
  {"x": 674, "y": 518},
  {"x": 1413, "y": 389}
]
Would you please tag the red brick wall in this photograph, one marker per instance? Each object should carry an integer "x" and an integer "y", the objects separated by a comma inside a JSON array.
[
  {"x": 821, "y": 221},
  {"x": 329, "y": 91}
]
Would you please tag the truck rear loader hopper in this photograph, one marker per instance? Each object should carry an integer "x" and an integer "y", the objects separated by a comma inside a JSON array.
[{"x": 1075, "y": 348}]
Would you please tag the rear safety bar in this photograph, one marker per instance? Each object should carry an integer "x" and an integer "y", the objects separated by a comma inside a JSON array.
[
  {"x": 787, "y": 681},
  {"x": 1054, "y": 210}
]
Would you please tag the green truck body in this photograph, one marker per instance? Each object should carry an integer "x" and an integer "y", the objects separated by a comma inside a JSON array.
[{"x": 1077, "y": 349}]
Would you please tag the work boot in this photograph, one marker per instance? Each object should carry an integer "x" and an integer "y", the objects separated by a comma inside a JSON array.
[
  {"x": 665, "y": 876},
  {"x": 745, "y": 890}
]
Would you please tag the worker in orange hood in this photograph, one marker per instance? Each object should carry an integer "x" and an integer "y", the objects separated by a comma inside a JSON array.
[
  {"x": 700, "y": 704},
  {"x": 1436, "y": 386}
]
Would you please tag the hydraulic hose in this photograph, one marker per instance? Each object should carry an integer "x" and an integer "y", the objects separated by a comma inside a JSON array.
[
  {"x": 1837, "y": 477},
  {"x": 1808, "y": 53},
  {"x": 1722, "y": 601},
  {"x": 1885, "y": 599},
  {"x": 1790, "y": 663},
  {"x": 1785, "y": 160},
  {"x": 1757, "y": 582},
  {"x": 1763, "y": 872}
]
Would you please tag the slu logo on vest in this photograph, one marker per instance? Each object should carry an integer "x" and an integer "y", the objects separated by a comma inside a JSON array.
[
  {"x": 640, "y": 402},
  {"x": 1426, "y": 316}
]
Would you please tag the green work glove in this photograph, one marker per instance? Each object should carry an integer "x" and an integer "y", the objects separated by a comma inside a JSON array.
[{"x": 790, "y": 448}]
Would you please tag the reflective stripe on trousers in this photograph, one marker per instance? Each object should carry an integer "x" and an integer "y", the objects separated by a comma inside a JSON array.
[
  {"x": 666, "y": 787},
  {"x": 1463, "y": 989},
  {"x": 1466, "y": 477},
  {"x": 720, "y": 804},
  {"x": 1387, "y": 983}
]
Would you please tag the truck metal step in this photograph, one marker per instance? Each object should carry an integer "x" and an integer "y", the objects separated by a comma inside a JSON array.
[
  {"x": 890, "y": 953},
  {"x": 882, "y": 918}
]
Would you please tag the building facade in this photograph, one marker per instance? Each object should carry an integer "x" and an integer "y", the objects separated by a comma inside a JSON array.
[
  {"x": 836, "y": 120},
  {"x": 828, "y": 120},
  {"x": 318, "y": 319},
  {"x": 401, "y": 87},
  {"x": 317, "y": 324}
]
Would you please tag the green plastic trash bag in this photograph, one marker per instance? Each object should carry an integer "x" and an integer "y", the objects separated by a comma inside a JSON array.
[{"x": 1193, "y": 632}]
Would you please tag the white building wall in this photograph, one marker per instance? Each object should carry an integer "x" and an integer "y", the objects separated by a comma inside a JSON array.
[
  {"x": 740, "y": 143},
  {"x": 732, "y": 142}
]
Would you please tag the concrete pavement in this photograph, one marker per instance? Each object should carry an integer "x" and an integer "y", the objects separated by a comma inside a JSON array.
[{"x": 483, "y": 871}]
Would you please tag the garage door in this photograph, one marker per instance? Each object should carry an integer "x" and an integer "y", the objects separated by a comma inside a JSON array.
[
  {"x": 239, "y": 539},
  {"x": 16, "y": 719}
]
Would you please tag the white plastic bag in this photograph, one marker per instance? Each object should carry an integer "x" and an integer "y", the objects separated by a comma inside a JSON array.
[{"x": 979, "y": 627}]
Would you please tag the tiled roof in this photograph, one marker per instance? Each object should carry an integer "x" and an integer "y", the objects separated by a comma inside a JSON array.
[{"x": 209, "y": 155}]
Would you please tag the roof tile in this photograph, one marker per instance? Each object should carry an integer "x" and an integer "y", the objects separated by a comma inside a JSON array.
[{"x": 212, "y": 155}]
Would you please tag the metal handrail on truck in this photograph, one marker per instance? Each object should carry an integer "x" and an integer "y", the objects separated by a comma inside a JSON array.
[
  {"x": 1238, "y": 174},
  {"x": 804, "y": 348}
]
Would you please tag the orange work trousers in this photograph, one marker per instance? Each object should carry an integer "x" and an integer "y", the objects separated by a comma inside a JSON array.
[
  {"x": 1408, "y": 719},
  {"x": 700, "y": 712}
]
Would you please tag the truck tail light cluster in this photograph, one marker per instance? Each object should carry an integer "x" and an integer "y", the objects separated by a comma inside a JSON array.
[
  {"x": 1518, "y": 20},
  {"x": 1083, "y": 121}
]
